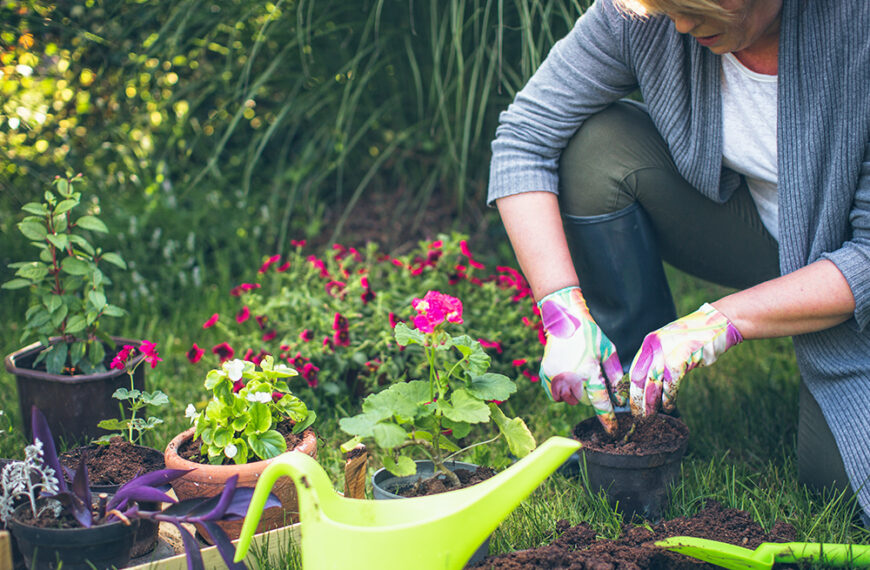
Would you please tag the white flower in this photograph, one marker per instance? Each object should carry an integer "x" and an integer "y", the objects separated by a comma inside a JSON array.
[
  {"x": 234, "y": 369},
  {"x": 231, "y": 450},
  {"x": 262, "y": 397},
  {"x": 190, "y": 412}
]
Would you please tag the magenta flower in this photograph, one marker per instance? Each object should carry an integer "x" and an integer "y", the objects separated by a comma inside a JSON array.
[
  {"x": 490, "y": 344},
  {"x": 518, "y": 361},
  {"x": 149, "y": 349},
  {"x": 309, "y": 372},
  {"x": 119, "y": 362},
  {"x": 435, "y": 308},
  {"x": 224, "y": 351},
  {"x": 270, "y": 335},
  {"x": 297, "y": 242},
  {"x": 335, "y": 289},
  {"x": 261, "y": 321},
  {"x": 306, "y": 336},
  {"x": 463, "y": 247},
  {"x": 269, "y": 263},
  {"x": 195, "y": 354},
  {"x": 283, "y": 267},
  {"x": 243, "y": 315},
  {"x": 394, "y": 320},
  {"x": 211, "y": 321}
]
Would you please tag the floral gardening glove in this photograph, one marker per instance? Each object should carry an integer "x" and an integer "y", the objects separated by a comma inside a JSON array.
[
  {"x": 667, "y": 354},
  {"x": 578, "y": 358}
]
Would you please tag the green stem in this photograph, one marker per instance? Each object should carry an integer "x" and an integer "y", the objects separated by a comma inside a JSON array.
[{"x": 464, "y": 449}]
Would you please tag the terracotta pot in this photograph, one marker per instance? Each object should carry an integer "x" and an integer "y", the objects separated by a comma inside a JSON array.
[
  {"x": 209, "y": 480},
  {"x": 72, "y": 404}
]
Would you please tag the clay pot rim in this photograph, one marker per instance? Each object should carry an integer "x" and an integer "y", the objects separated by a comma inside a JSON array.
[
  {"x": 9, "y": 362},
  {"x": 308, "y": 445}
]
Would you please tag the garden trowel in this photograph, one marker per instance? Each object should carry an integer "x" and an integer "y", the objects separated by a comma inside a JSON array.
[{"x": 736, "y": 557}]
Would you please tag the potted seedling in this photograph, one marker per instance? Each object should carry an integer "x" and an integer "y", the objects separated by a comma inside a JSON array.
[
  {"x": 58, "y": 525},
  {"x": 66, "y": 371},
  {"x": 251, "y": 418},
  {"x": 431, "y": 416},
  {"x": 117, "y": 457}
]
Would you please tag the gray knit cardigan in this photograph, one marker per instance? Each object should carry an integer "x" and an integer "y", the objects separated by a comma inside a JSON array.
[{"x": 823, "y": 143}]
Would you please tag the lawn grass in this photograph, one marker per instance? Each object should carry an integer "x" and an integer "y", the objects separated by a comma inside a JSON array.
[{"x": 742, "y": 415}]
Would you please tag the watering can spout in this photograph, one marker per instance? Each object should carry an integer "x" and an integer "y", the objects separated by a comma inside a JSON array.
[{"x": 449, "y": 526}]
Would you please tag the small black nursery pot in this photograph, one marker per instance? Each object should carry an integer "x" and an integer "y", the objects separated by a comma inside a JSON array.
[{"x": 635, "y": 467}]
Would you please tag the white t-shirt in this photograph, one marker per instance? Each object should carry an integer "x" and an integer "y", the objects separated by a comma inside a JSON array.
[{"x": 749, "y": 134}]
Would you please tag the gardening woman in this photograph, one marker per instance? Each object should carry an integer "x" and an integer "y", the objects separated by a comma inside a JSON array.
[{"x": 747, "y": 164}]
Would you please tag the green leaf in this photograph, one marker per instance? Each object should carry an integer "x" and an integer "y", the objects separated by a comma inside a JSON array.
[
  {"x": 63, "y": 188},
  {"x": 76, "y": 266},
  {"x": 96, "y": 353},
  {"x": 92, "y": 223},
  {"x": 464, "y": 407},
  {"x": 416, "y": 391},
  {"x": 126, "y": 394},
  {"x": 389, "y": 435},
  {"x": 52, "y": 302},
  {"x": 82, "y": 243},
  {"x": 404, "y": 467},
  {"x": 60, "y": 241},
  {"x": 114, "y": 424},
  {"x": 60, "y": 223},
  {"x": 75, "y": 324},
  {"x": 460, "y": 429},
  {"x": 35, "y": 271},
  {"x": 242, "y": 451},
  {"x": 65, "y": 206},
  {"x": 491, "y": 386},
  {"x": 113, "y": 311},
  {"x": 390, "y": 402},
  {"x": 213, "y": 378},
  {"x": 515, "y": 431},
  {"x": 261, "y": 419},
  {"x": 33, "y": 230},
  {"x": 77, "y": 352},
  {"x": 222, "y": 436},
  {"x": 38, "y": 318},
  {"x": 97, "y": 299},
  {"x": 267, "y": 445},
  {"x": 476, "y": 361},
  {"x": 35, "y": 208},
  {"x": 303, "y": 424},
  {"x": 350, "y": 444},
  {"x": 360, "y": 424},
  {"x": 58, "y": 316},
  {"x": 55, "y": 358},
  {"x": 16, "y": 284},
  {"x": 406, "y": 336},
  {"x": 157, "y": 398},
  {"x": 114, "y": 259}
]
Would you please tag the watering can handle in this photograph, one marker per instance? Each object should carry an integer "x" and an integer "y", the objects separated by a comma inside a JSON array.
[{"x": 835, "y": 554}]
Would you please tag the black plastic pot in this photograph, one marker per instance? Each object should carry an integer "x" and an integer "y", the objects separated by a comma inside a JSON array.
[
  {"x": 17, "y": 558},
  {"x": 635, "y": 484},
  {"x": 385, "y": 483},
  {"x": 73, "y": 405},
  {"x": 103, "y": 546}
]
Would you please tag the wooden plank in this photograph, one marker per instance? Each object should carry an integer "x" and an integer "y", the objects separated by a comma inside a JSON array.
[
  {"x": 5, "y": 549},
  {"x": 273, "y": 544}
]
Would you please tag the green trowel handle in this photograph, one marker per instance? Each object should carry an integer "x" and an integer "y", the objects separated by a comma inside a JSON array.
[{"x": 854, "y": 555}]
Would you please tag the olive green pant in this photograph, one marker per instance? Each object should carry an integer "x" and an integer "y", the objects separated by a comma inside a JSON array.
[{"x": 618, "y": 158}]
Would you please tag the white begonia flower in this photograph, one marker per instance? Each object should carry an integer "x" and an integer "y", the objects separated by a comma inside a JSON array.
[
  {"x": 190, "y": 411},
  {"x": 262, "y": 397},
  {"x": 234, "y": 369},
  {"x": 231, "y": 450}
]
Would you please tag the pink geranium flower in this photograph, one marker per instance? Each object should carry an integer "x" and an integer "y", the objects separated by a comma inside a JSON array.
[
  {"x": 149, "y": 349},
  {"x": 119, "y": 362},
  {"x": 195, "y": 354},
  {"x": 243, "y": 315},
  {"x": 435, "y": 308},
  {"x": 269, "y": 263},
  {"x": 211, "y": 321},
  {"x": 224, "y": 351},
  {"x": 306, "y": 336}
]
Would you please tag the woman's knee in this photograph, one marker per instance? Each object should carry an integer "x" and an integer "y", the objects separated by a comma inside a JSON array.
[{"x": 603, "y": 153}]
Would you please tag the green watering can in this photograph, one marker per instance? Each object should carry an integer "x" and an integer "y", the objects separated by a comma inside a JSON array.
[
  {"x": 432, "y": 532},
  {"x": 736, "y": 558}
]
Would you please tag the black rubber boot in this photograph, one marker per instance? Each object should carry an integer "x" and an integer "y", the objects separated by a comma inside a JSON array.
[{"x": 621, "y": 275}]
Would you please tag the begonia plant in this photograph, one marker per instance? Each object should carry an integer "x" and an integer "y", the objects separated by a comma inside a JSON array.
[
  {"x": 432, "y": 414},
  {"x": 240, "y": 420}
]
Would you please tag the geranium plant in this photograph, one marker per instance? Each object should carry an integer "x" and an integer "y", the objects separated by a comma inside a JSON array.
[
  {"x": 133, "y": 428},
  {"x": 432, "y": 414},
  {"x": 66, "y": 282},
  {"x": 240, "y": 420}
]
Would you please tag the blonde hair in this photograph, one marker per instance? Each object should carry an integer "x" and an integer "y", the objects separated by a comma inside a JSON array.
[{"x": 704, "y": 8}]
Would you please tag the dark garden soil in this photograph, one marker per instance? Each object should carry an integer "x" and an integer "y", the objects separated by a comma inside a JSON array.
[
  {"x": 441, "y": 484},
  {"x": 115, "y": 463},
  {"x": 46, "y": 518},
  {"x": 190, "y": 449},
  {"x": 634, "y": 436},
  {"x": 577, "y": 548}
]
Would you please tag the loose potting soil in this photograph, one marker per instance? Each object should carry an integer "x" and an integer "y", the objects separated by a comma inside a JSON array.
[
  {"x": 634, "y": 435},
  {"x": 115, "y": 463},
  {"x": 440, "y": 484},
  {"x": 578, "y": 548}
]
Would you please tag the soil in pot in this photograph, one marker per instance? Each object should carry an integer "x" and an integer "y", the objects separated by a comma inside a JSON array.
[
  {"x": 636, "y": 465},
  {"x": 49, "y": 542},
  {"x": 112, "y": 465},
  {"x": 441, "y": 484},
  {"x": 578, "y": 548}
]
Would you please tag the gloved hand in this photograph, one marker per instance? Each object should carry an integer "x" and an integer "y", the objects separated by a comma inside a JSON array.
[
  {"x": 666, "y": 355},
  {"x": 578, "y": 358}
]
